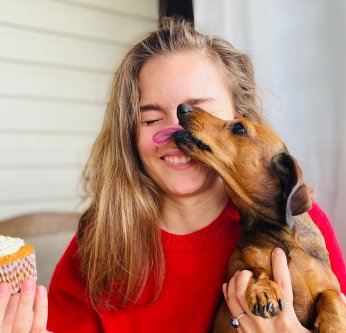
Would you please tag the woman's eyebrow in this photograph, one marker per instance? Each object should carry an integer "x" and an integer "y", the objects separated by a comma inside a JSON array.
[
  {"x": 149, "y": 107},
  {"x": 196, "y": 101},
  {"x": 190, "y": 101}
]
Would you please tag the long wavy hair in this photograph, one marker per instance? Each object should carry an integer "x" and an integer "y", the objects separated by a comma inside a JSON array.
[{"x": 118, "y": 235}]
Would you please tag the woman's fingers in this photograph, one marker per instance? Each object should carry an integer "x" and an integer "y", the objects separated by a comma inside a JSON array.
[
  {"x": 235, "y": 295},
  {"x": 343, "y": 297},
  {"x": 236, "y": 300},
  {"x": 41, "y": 310},
  {"x": 5, "y": 294},
  {"x": 242, "y": 284},
  {"x": 10, "y": 312},
  {"x": 281, "y": 274},
  {"x": 24, "y": 314},
  {"x": 282, "y": 277},
  {"x": 229, "y": 291}
]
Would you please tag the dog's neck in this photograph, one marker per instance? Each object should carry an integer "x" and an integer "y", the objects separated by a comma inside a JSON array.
[
  {"x": 249, "y": 222},
  {"x": 257, "y": 233}
]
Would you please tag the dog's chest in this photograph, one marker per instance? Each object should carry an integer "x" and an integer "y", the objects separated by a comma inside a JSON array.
[{"x": 303, "y": 237}]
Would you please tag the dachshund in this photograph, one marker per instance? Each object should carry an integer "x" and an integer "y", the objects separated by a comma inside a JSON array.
[{"x": 265, "y": 183}]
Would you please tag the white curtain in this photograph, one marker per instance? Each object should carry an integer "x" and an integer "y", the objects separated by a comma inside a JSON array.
[{"x": 299, "y": 51}]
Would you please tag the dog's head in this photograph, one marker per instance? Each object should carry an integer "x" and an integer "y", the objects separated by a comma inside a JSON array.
[{"x": 264, "y": 180}]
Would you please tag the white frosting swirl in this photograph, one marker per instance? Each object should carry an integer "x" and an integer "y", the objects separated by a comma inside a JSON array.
[{"x": 9, "y": 245}]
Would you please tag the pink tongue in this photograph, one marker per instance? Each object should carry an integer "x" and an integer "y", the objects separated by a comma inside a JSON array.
[{"x": 161, "y": 137}]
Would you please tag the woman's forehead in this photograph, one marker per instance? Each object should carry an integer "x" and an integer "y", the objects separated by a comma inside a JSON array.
[{"x": 191, "y": 71}]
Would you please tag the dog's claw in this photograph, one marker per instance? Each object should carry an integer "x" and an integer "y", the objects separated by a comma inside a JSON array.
[
  {"x": 264, "y": 298},
  {"x": 281, "y": 304},
  {"x": 275, "y": 311},
  {"x": 255, "y": 309},
  {"x": 264, "y": 312},
  {"x": 270, "y": 306}
]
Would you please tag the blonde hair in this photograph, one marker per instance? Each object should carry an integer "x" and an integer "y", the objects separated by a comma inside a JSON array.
[{"x": 119, "y": 236}]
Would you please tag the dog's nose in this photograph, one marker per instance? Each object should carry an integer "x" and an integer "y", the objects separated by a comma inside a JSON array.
[{"x": 184, "y": 108}]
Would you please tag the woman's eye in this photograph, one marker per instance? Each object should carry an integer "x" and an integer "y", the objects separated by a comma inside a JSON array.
[{"x": 150, "y": 122}]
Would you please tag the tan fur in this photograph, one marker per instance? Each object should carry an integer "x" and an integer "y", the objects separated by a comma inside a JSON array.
[{"x": 258, "y": 170}]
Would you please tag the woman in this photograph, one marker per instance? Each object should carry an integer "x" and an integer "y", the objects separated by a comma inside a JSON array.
[{"x": 152, "y": 249}]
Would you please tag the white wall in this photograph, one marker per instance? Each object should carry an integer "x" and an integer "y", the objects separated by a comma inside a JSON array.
[{"x": 57, "y": 59}]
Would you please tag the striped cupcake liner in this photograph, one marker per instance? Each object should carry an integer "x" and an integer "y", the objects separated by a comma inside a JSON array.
[{"x": 16, "y": 272}]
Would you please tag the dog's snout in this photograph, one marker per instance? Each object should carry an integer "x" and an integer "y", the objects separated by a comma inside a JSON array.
[{"x": 184, "y": 108}]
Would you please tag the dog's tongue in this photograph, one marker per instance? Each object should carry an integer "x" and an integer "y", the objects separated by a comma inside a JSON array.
[{"x": 161, "y": 137}]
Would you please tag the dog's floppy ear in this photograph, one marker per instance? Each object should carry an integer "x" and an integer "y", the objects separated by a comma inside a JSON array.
[{"x": 295, "y": 196}]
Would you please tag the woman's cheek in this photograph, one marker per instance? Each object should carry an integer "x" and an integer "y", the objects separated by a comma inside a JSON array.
[{"x": 144, "y": 142}]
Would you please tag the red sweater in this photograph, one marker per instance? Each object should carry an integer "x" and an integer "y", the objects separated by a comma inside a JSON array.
[{"x": 196, "y": 266}]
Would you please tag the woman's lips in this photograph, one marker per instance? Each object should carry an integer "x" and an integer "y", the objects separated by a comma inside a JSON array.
[{"x": 163, "y": 136}]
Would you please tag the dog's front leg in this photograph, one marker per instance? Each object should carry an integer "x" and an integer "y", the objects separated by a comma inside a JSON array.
[
  {"x": 331, "y": 312},
  {"x": 263, "y": 295}
]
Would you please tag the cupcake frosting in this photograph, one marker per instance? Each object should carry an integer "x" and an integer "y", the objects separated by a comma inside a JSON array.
[{"x": 9, "y": 245}]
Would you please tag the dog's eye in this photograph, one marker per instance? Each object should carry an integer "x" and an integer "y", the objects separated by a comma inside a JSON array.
[{"x": 238, "y": 128}]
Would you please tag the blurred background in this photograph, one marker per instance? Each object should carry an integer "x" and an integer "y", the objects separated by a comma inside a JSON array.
[
  {"x": 57, "y": 60},
  {"x": 298, "y": 48}
]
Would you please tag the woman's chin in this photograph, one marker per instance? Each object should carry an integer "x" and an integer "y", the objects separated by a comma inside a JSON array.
[{"x": 188, "y": 188}]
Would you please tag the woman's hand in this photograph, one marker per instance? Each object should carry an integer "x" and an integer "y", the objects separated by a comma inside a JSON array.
[
  {"x": 286, "y": 321},
  {"x": 16, "y": 311}
]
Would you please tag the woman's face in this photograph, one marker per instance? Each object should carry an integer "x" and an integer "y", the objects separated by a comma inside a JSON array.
[{"x": 165, "y": 82}]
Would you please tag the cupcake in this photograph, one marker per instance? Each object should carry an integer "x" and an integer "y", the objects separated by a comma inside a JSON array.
[{"x": 17, "y": 262}]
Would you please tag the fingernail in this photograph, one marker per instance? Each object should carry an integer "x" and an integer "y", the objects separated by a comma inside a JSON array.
[
  {"x": 41, "y": 291},
  {"x": 28, "y": 285},
  {"x": 342, "y": 295},
  {"x": 3, "y": 289},
  {"x": 278, "y": 251}
]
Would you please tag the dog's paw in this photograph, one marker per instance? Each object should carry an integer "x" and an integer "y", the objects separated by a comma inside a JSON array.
[{"x": 264, "y": 298}]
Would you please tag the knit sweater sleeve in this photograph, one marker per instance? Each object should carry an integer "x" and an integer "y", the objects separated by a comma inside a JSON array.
[
  {"x": 69, "y": 308},
  {"x": 336, "y": 258}
]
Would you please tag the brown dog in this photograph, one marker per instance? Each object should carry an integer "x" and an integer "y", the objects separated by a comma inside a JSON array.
[{"x": 265, "y": 183}]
